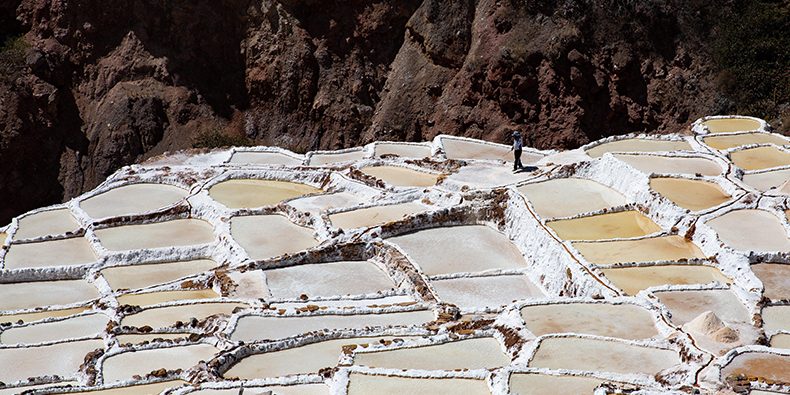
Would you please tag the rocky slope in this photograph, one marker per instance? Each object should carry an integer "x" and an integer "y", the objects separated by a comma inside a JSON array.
[{"x": 107, "y": 84}]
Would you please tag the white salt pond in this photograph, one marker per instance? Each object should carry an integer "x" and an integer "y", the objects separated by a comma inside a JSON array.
[
  {"x": 51, "y": 222},
  {"x": 65, "y": 252},
  {"x": 362, "y": 384},
  {"x": 481, "y": 175},
  {"x": 152, "y": 298},
  {"x": 491, "y": 249},
  {"x": 731, "y": 125},
  {"x": 23, "y": 295},
  {"x": 622, "y": 321},
  {"x": 469, "y": 149},
  {"x": 488, "y": 291},
  {"x": 142, "y": 389},
  {"x": 244, "y": 193},
  {"x": 746, "y": 230},
  {"x": 306, "y": 389},
  {"x": 327, "y": 279},
  {"x": 401, "y": 176},
  {"x": 141, "y": 276},
  {"x": 780, "y": 340},
  {"x": 325, "y": 202},
  {"x": 62, "y": 359},
  {"x": 760, "y": 158},
  {"x": 149, "y": 338},
  {"x": 264, "y": 158},
  {"x": 776, "y": 318},
  {"x": 544, "y": 384},
  {"x": 565, "y": 197},
  {"x": 161, "y": 317},
  {"x": 329, "y": 158},
  {"x": 601, "y": 355},
  {"x": 671, "y": 165},
  {"x": 623, "y": 224},
  {"x": 76, "y": 327},
  {"x": 687, "y": 305},
  {"x": 251, "y": 328},
  {"x": 141, "y": 362},
  {"x": 478, "y": 353},
  {"x": 177, "y": 232},
  {"x": 639, "y": 145},
  {"x": 665, "y": 248},
  {"x": 131, "y": 199},
  {"x": 767, "y": 180},
  {"x": 19, "y": 390},
  {"x": 366, "y": 217},
  {"x": 724, "y": 142},
  {"x": 694, "y": 195},
  {"x": 267, "y": 236},
  {"x": 636, "y": 278},
  {"x": 36, "y": 316},
  {"x": 402, "y": 150},
  {"x": 759, "y": 364},
  {"x": 775, "y": 278}
]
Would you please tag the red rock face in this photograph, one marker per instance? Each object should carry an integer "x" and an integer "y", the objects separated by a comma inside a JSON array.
[{"x": 108, "y": 84}]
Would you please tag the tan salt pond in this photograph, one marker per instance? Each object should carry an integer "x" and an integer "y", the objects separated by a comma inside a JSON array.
[
  {"x": 736, "y": 140},
  {"x": 177, "y": 232},
  {"x": 621, "y": 321},
  {"x": 62, "y": 359},
  {"x": 749, "y": 229},
  {"x": 327, "y": 279},
  {"x": 141, "y": 362},
  {"x": 731, "y": 125},
  {"x": 776, "y": 318},
  {"x": 639, "y": 145},
  {"x": 479, "y": 353},
  {"x": 267, "y": 236},
  {"x": 401, "y": 176},
  {"x": 166, "y": 316},
  {"x": 18, "y": 296},
  {"x": 687, "y": 305},
  {"x": 19, "y": 390},
  {"x": 65, "y": 252},
  {"x": 760, "y": 158},
  {"x": 328, "y": 158},
  {"x": 489, "y": 291},
  {"x": 264, "y": 158},
  {"x": 780, "y": 340},
  {"x": 141, "y": 276},
  {"x": 31, "y": 317},
  {"x": 325, "y": 202},
  {"x": 775, "y": 278},
  {"x": 634, "y": 279},
  {"x": 141, "y": 389},
  {"x": 138, "y": 339},
  {"x": 361, "y": 384},
  {"x": 152, "y": 298},
  {"x": 667, "y": 248},
  {"x": 245, "y": 193},
  {"x": 131, "y": 199},
  {"x": 252, "y": 328},
  {"x": 767, "y": 180},
  {"x": 544, "y": 384},
  {"x": 402, "y": 150},
  {"x": 490, "y": 249},
  {"x": 601, "y": 355},
  {"x": 71, "y": 328},
  {"x": 671, "y": 165},
  {"x": 694, "y": 195},
  {"x": 759, "y": 364},
  {"x": 565, "y": 197},
  {"x": 370, "y": 216},
  {"x": 623, "y": 224},
  {"x": 52, "y": 222},
  {"x": 464, "y": 149},
  {"x": 305, "y": 389}
]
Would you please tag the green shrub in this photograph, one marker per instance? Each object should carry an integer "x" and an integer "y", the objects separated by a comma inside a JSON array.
[
  {"x": 12, "y": 59},
  {"x": 217, "y": 138}
]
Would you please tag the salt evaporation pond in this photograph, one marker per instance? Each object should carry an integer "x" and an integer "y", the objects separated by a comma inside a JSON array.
[
  {"x": 487, "y": 291},
  {"x": 479, "y": 353},
  {"x": 565, "y": 197},
  {"x": 146, "y": 275},
  {"x": 755, "y": 230},
  {"x": 544, "y": 384},
  {"x": 264, "y": 158},
  {"x": 365, "y": 217},
  {"x": 51, "y": 222},
  {"x": 671, "y": 165},
  {"x": 335, "y": 157},
  {"x": 177, "y": 232},
  {"x": 776, "y": 318},
  {"x": 585, "y": 354},
  {"x": 257, "y": 193},
  {"x": 281, "y": 235},
  {"x": 307, "y": 389},
  {"x": 361, "y": 384},
  {"x": 689, "y": 304},
  {"x": 66, "y": 252},
  {"x": 621, "y": 321},
  {"x": 766, "y": 180},
  {"x": 759, "y": 364},
  {"x": 760, "y": 158},
  {"x": 665, "y": 248},
  {"x": 152, "y": 298},
  {"x": 151, "y": 389},
  {"x": 483, "y": 175},
  {"x": 492, "y": 250},
  {"x": 624, "y": 224},
  {"x": 70, "y": 328},
  {"x": 401, "y": 176},
  {"x": 775, "y": 278},
  {"x": 24, "y": 295},
  {"x": 325, "y": 202},
  {"x": 639, "y": 145},
  {"x": 140, "y": 362},
  {"x": 160, "y": 317},
  {"x": 62, "y": 359},
  {"x": 694, "y": 195},
  {"x": 327, "y": 279},
  {"x": 131, "y": 199},
  {"x": 36, "y": 316},
  {"x": 731, "y": 125},
  {"x": 455, "y": 148},
  {"x": 636, "y": 278},
  {"x": 402, "y": 149},
  {"x": 724, "y": 142}
]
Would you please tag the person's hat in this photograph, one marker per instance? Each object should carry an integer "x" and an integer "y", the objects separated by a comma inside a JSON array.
[{"x": 516, "y": 133}]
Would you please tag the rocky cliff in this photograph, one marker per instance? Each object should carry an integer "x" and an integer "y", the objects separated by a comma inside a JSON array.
[{"x": 97, "y": 85}]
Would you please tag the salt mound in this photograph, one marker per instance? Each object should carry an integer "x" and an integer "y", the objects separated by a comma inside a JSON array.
[
  {"x": 726, "y": 335},
  {"x": 706, "y": 323}
]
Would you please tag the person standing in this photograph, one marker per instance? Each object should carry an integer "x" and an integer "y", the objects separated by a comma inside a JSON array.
[{"x": 517, "y": 146}]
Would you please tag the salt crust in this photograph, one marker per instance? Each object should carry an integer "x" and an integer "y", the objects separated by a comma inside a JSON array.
[{"x": 553, "y": 265}]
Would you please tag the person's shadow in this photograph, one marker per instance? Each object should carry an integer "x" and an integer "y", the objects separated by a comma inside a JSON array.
[{"x": 525, "y": 169}]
